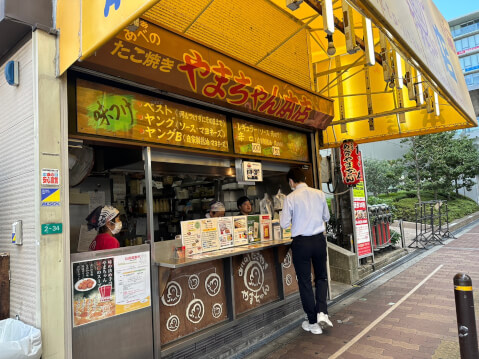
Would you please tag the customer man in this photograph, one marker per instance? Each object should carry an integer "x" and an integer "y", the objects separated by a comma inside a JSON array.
[{"x": 306, "y": 210}]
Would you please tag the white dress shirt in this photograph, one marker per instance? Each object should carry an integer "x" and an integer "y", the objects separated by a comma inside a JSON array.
[{"x": 306, "y": 210}]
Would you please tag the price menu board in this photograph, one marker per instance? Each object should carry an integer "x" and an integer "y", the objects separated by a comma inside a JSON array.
[
  {"x": 113, "y": 112},
  {"x": 269, "y": 141}
]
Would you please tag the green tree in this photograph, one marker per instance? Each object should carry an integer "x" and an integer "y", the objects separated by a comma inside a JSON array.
[
  {"x": 463, "y": 163},
  {"x": 382, "y": 176},
  {"x": 440, "y": 162}
]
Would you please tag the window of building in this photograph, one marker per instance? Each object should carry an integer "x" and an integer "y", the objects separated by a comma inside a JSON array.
[
  {"x": 468, "y": 79},
  {"x": 461, "y": 60},
  {"x": 472, "y": 42},
  {"x": 474, "y": 60},
  {"x": 465, "y": 43},
  {"x": 467, "y": 62},
  {"x": 458, "y": 45}
]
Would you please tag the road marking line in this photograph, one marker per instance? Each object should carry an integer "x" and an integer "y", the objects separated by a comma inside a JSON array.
[{"x": 384, "y": 315}]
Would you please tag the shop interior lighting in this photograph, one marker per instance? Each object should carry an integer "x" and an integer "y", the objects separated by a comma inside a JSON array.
[
  {"x": 368, "y": 41},
  {"x": 436, "y": 104},
  {"x": 420, "y": 95},
  {"x": 328, "y": 16},
  {"x": 331, "y": 49}
]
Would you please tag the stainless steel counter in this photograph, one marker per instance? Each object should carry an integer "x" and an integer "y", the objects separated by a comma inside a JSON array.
[{"x": 164, "y": 253}]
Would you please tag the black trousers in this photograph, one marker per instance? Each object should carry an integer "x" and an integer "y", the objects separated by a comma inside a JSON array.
[{"x": 307, "y": 250}]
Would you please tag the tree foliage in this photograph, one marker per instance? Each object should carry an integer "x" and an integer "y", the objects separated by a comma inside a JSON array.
[
  {"x": 382, "y": 176},
  {"x": 440, "y": 162}
]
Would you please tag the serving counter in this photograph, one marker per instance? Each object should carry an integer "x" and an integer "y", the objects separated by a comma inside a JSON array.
[{"x": 216, "y": 288}]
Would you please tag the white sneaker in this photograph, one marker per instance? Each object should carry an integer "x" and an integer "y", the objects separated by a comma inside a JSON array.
[
  {"x": 323, "y": 320},
  {"x": 313, "y": 328}
]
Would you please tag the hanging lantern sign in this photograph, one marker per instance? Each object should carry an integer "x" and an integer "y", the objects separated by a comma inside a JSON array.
[{"x": 350, "y": 163}]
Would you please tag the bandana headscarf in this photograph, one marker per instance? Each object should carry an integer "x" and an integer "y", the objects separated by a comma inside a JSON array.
[
  {"x": 217, "y": 207},
  {"x": 100, "y": 216}
]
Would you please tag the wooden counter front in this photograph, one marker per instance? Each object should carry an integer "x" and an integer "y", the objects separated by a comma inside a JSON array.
[
  {"x": 290, "y": 281},
  {"x": 255, "y": 280},
  {"x": 194, "y": 298}
]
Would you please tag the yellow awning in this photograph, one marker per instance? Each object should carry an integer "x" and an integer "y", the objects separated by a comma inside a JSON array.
[{"x": 371, "y": 103}]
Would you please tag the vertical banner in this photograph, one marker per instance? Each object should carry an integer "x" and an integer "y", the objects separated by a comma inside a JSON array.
[{"x": 360, "y": 218}]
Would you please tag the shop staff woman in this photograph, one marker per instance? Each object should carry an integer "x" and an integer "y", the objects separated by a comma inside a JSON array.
[{"x": 106, "y": 220}]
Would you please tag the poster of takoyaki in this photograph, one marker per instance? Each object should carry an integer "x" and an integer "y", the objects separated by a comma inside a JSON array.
[{"x": 93, "y": 290}]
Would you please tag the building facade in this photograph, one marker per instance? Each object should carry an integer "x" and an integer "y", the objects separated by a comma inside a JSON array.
[{"x": 465, "y": 32}]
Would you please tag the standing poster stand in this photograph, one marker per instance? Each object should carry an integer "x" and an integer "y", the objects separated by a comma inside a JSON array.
[{"x": 362, "y": 236}]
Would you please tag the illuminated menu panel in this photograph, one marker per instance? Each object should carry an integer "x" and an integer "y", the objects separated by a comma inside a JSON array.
[
  {"x": 109, "y": 111},
  {"x": 268, "y": 141}
]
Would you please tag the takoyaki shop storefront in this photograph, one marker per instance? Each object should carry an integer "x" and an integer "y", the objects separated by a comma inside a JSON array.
[{"x": 181, "y": 104}]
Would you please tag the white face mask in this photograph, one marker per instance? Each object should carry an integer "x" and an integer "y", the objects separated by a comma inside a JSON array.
[{"x": 117, "y": 228}]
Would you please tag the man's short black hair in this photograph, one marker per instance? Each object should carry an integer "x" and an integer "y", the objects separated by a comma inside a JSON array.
[
  {"x": 296, "y": 174},
  {"x": 242, "y": 200}
]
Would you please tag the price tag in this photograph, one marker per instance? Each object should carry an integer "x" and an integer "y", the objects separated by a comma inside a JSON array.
[
  {"x": 256, "y": 147},
  {"x": 52, "y": 228},
  {"x": 276, "y": 151}
]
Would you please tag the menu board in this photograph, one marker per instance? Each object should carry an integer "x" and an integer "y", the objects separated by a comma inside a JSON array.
[
  {"x": 105, "y": 287},
  {"x": 240, "y": 232},
  {"x": 269, "y": 141},
  {"x": 266, "y": 228},
  {"x": 191, "y": 236},
  {"x": 113, "y": 112},
  {"x": 209, "y": 234},
  {"x": 254, "y": 234},
  {"x": 225, "y": 231}
]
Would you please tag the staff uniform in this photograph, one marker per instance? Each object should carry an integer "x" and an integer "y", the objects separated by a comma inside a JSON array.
[{"x": 306, "y": 210}]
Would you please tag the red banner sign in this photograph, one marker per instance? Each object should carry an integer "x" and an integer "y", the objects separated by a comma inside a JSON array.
[{"x": 350, "y": 163}]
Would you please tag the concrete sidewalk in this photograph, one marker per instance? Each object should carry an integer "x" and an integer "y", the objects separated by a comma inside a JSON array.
[{"x": 407, "y": 313}]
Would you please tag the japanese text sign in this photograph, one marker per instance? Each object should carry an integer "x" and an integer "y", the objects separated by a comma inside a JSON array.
[
  {"x": 164, "y": 60},
  {"x": 108, "y": 111},
  {"x": 350, "y": 163},
  {"x": 50, "y": 177},
  {"x": 268, "y": 141}
]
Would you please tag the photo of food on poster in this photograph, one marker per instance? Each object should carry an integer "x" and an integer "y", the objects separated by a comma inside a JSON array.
[
  {"x": 225, "y": 231},
  {"x": 240, "y": 230},
  {"x": 209, "y": 234},
  {"x": 191, "y": 237},
  {"x": 93, "y": 290}
]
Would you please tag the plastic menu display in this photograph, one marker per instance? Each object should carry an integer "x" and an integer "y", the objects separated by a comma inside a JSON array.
[
  {"x": 240, "y": 230},
  {"x": 254, "y": 234},
  {"x": 225, "y": 231},
  {"x": 266, "y": 229},
  {"x": 209, "y": 234},
  {"x": 191, "y": 237}
]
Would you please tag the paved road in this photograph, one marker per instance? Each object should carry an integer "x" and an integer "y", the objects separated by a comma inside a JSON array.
[{"x": 408, "y": 313}]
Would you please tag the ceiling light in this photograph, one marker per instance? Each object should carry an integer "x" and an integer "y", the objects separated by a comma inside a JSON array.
[{"x": 331, "y": 49}]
